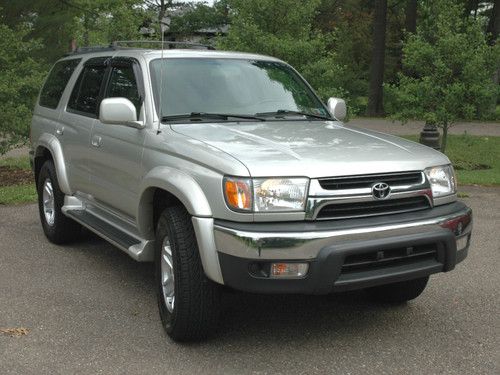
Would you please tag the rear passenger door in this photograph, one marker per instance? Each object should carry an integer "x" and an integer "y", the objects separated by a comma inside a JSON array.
[
  {"x": 115, "y": 165},
  {"x": 77, "y": 120}
]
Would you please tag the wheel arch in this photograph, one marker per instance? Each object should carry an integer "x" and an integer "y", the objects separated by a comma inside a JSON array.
[
  {"x": 167, "y": 186},
  {"x": 48, "y": 147}
]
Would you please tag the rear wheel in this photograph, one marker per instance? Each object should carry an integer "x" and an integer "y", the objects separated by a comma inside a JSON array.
[
  {"x": 57, "y": 227},
  {"x": 398, "y": 292},
  {"x": 188, "y": 301}
]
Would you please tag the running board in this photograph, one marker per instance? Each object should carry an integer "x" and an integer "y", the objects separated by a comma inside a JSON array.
[{"x": 140, "y": 250}]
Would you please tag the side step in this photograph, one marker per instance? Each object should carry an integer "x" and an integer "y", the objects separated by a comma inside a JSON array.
[{"x": 140, "y": 250}]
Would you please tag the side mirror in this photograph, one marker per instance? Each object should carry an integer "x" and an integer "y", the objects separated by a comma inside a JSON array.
[
  {"x": 337, "y": 108},
  {"x": 119, "y": 111}
]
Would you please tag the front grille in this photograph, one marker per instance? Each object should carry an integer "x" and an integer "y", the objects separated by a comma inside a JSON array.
[
  {"x": 388, "y": 258},
  {"x": 366, "y": 181},
  {"x": 373, "y": 208}
]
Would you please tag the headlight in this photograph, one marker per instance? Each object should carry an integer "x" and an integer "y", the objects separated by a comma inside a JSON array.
[
  {"x": 266, "y": 194},
  {"x": 442, "y": 179},
  {"x": 280, "y": 194}
]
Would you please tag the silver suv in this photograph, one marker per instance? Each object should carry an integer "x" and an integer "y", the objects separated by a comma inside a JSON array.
[{"x": 226, "y": 169}]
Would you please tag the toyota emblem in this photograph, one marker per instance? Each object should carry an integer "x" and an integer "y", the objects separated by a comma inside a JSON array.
[{"x": 381, "y": 190}]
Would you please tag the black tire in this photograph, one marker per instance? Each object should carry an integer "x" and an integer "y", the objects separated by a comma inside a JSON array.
[
  {"x": 398, "y": 292},
  {"x": 196, "y": 309},
  {"x": 62, "y": 230}
]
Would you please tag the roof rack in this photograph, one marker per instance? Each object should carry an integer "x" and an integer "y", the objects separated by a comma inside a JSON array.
[
  {"x": 128, "y": 44},
  {"x": 167, "y": 44},
  {"x": 90, "y": 49}
]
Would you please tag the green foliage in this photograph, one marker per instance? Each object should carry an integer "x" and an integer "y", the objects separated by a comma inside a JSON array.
[
  {"x": 99, "y": 22},
  {"x": 447, "y": 69},
  {"x": 199, "y": 16},
  {"x": 20, "y": 82}
]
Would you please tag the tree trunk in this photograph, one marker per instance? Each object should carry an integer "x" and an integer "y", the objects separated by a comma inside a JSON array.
[
  {"x": 375, "y": 95},
  {"x": 494, "y": 23},
  {"x": 163, "y": 7},
  {"x": 86, "y": 32},
  {"x": 444, "y": 139},
  {"x": 493, "y": 29},
  {"x": 471, "y": 8},
  {"x": 411, "y": 16}
]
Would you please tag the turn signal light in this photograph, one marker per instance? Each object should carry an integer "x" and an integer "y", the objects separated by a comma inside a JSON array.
[
  {"x": 288, "y": 270},
  {"x": 238, "y": 193}
]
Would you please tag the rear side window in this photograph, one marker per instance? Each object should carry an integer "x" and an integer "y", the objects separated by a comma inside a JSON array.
[
  {"x": 86, "y": 93},
  {"x": 56, "y": 82}
]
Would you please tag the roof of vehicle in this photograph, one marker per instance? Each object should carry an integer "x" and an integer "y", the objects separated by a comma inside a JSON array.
[{"x": 152, "y": 53}]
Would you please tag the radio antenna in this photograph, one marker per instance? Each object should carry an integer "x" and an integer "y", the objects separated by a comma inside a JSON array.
[{"x": 162, "y": 30}]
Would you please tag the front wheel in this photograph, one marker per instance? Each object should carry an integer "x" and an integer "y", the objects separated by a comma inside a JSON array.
[
  {"x": 188, "y": 301},
  {"x": 398, "y": 292}
]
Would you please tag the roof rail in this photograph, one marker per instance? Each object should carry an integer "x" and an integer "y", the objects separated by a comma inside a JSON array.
[
  {"x": 167, "y": 44},
  {"x": 91, "y": 49},
  {"x": 127, "y": 44}
]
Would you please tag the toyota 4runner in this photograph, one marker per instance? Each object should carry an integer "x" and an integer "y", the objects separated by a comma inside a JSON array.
[{"x": 226, "y": 169}]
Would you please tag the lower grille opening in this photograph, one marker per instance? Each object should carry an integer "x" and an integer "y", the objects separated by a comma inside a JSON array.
[
  {"x": 373, "y": 208},
  {"x": 378, "y": 259}
]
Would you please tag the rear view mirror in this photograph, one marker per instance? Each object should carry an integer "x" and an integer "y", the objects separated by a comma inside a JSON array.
[
  {"x": 119, "y": 111},
  {"x": 337, "y": 108}
]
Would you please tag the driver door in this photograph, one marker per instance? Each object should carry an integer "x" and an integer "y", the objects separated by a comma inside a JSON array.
[{"x": 116, "y": 151}]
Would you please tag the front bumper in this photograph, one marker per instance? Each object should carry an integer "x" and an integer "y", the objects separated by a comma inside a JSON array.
[{"x": 344, "y": 254}]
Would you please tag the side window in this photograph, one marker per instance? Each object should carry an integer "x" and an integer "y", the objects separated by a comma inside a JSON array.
[
  {"x": 56, "y": 82},
  {"x": 123, "y": 84},
  {"x": 85, "y": 95}
]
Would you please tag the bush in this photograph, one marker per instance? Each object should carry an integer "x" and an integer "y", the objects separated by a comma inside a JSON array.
[{"x": 20, "y": 82}]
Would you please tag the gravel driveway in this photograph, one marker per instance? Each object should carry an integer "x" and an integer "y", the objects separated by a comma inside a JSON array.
[{"x": 89, "y": 309}]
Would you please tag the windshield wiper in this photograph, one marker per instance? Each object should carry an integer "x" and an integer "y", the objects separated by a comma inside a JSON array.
[
  {"x": 284, "y": 112},
  {"x": 196, "y": 116}
]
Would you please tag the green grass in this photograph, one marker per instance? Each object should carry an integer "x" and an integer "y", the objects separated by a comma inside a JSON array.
[
  {"x": 20, "y": 193},
  {"x": 467, "y": 152},
  {"x": 22, "y": 162},
  {"x": 17, "y": 194}
]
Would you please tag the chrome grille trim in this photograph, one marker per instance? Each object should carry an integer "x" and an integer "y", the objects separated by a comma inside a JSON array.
[
  {"x": 319, "y": 197},
  {"x": 315, "y": 189}
]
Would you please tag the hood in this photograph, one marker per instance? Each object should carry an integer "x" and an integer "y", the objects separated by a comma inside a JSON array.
[{"x": 312, "y": 148}]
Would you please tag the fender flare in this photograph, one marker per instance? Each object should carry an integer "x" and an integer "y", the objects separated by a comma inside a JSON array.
[
  {"x": 175, "y": 182},
  {"x": 51, "y": 143}
]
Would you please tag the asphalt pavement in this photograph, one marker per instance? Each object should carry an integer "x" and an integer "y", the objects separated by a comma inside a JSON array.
[{"x": 90, "y": 309}]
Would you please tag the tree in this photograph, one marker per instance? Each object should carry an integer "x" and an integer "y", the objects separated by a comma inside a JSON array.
[
  {"x": 197, "y": 16},
  {"x": 19, "y": 84},
  {"x": 494, "y": 22},
  {"x": 376, "y": 94},
  {"x": 349, "y": 22},
  {"x": 447, "y": 69},
  {"x": 411, "y": 16},
  {"x": 57, "y": 23},
  {"x": 100, "y": 22}
]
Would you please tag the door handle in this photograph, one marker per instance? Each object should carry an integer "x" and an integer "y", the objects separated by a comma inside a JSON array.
[
  {"x": 96, "y": 141},
  {"x": 59, "y": 131}
]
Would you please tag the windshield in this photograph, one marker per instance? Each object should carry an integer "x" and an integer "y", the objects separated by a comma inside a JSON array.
[{"x": 231, "y": 86}]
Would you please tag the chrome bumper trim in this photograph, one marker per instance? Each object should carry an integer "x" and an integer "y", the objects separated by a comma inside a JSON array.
[{"x": 307, "y": 245}]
